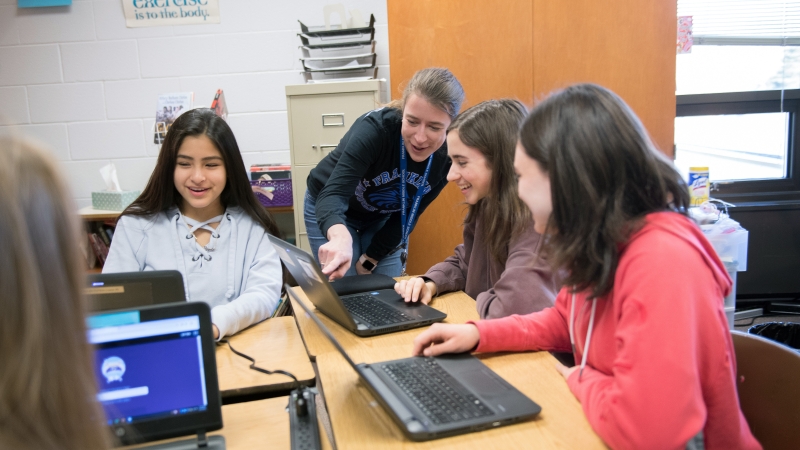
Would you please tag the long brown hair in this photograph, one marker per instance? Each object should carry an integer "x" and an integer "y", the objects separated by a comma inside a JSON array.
[
  {"x": 438, "y": 86},
  {"x": 605, "y": 176},
  {"x": 491, "y": 128},
  {"x": 160, "y": 193},
  {"x": 47, "y": 384}
]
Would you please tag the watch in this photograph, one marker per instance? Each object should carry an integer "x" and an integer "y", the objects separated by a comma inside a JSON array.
[{"x": 365, "y": 263}]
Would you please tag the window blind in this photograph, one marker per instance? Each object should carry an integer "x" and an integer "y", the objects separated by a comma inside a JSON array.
[{"x": 743, "y": 22}]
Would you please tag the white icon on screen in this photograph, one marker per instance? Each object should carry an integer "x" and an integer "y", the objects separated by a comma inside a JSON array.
[{"x": 113, "y": 368}]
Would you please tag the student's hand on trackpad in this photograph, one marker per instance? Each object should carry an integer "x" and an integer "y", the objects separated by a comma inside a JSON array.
[{"x": 443, "y": 338}]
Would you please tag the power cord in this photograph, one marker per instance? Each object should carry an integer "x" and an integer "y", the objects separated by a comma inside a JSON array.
[{"x": 253, "y": 365}]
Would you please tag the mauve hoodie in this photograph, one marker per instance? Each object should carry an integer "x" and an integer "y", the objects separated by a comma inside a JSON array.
[{"x": 522, "y": 285}]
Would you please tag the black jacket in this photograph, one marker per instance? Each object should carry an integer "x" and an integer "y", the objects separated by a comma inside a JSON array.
[{"x": 360, "y": 179}]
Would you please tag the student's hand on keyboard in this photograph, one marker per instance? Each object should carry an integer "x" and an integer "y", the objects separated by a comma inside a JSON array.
[
  {"x": 446, "y": 338},
  {"x": 416, "y": 289}
]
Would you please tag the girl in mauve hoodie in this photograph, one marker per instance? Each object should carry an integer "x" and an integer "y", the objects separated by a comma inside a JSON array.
[
  {"x": 498, "y": 264},
  {"x": 641, "y": 308}
]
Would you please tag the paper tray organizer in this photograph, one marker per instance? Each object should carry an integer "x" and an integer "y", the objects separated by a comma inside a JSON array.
[{"x": 339, "y": 54}]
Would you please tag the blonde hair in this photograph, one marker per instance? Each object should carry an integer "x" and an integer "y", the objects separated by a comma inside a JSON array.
[
  {"x": 438, "y": 86},
  {"x": 47, "y": 385}
]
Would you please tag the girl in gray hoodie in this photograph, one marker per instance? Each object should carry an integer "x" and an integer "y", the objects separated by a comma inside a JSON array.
[{"x": 198, "y": 215}]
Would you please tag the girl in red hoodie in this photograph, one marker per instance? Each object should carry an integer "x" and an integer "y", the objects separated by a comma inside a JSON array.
[{"x": 641, "y": 309}]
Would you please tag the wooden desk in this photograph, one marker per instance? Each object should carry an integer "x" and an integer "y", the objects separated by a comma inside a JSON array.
[
  {"x": 274, "y": 344},
  {"x": 458, "y": 306},
  {"x": 359, "y": 422},
  {"x": 259, "y": 424}
]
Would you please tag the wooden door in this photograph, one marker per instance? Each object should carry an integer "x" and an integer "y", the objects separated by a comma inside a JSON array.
[
  {"x": 525, "y": 49},
  {"x": 489, "y": 47}
]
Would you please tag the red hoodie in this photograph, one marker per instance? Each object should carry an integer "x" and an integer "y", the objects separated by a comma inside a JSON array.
[{"x": 660, "y": 366}]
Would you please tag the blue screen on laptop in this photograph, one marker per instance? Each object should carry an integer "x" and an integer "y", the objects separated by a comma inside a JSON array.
[{"x": 147, "y": 370}]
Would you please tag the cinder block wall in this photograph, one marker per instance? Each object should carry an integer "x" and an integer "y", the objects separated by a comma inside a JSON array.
[{"x": 78, "y": 80}]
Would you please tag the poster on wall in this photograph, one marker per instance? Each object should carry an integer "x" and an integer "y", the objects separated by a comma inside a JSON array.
[
  {"x": 685, "y": 38},
  {"x": 155, "y": 13},
  {"x": 42, "y": 3}
]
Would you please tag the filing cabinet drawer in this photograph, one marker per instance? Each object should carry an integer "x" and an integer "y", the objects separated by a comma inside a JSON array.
[
  {"x": 299, "y": 187},
  {"x": 302, "y": 242},
  {"x": 318, "y": 122}
]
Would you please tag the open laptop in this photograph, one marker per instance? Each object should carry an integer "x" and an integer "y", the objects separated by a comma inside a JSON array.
[
  {"x": 366, "y": 314},
  {"x": 156, "y": 372},
  {"x": 108, "y": 291},
  {"x": 432, "y": 398}
]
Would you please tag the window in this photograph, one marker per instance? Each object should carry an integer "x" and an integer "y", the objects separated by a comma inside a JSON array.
[{"x": 738, "y": 96}]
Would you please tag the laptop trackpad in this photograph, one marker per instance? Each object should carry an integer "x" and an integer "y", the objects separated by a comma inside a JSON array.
[{"x": 483, "y": 382}]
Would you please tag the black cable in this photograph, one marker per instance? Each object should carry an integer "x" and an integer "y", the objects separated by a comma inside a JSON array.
[{"x": 253, "y": 365}]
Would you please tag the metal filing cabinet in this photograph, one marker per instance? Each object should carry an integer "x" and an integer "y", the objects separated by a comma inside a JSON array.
[{"x": 319, "y": 116}]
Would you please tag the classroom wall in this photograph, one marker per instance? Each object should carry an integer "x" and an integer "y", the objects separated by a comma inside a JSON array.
[
  {"x": 525, "y": 49},
  {"x": 78, "y": 80}
]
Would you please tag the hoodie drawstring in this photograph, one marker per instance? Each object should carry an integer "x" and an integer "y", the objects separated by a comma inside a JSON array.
[{"x": 588, "y": 331}]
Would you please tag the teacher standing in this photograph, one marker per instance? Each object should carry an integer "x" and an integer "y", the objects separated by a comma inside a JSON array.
[{"x": 357, "y": 212}]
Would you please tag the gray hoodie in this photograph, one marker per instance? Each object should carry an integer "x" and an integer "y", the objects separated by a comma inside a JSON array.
[{"x": 242, "y": 285}]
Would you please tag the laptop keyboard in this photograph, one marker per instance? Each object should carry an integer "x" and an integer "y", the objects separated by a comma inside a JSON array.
[
  {"x": 440, "y": 396},
  {"x": 373, "y": 311}
]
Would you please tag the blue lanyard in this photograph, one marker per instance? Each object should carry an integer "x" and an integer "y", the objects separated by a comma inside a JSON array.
[{"x": 408, "y": 222}]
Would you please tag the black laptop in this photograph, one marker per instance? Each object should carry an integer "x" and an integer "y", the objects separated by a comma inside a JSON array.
[
  {"x": 432, "y": 398},
  {"x": 109, "y": 291},
  {"x": 365, "y": 314},
  {"x": 156, "y": 373}
]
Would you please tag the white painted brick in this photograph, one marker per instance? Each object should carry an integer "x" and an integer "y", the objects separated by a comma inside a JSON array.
[
  {"x": 66, "y": 102},
  {"x": 83, "y": 177},
  {"x": 244, "y": 93},
  {"x": 137, "y": 98},
  {"x": 257, "y": 52},
  {"x": 35, "y": 64},
  {"x": 260, "y": 132},
  {"x": 15, "y": 106},
  {"x": 109, "y": 21},
  {"x": 66, "y": 24},
  {"x": 240, "y": 16},
  {"x": 106, "y": 140},
  {"x": 382, "y": 45},
  {"x": 81, "y": 203},
  {"x": 207, "y": 55},
  {"x": 134, "y": 173},
  {"x": 171, "y": 57},
  {"x": 8, "y": 26},
  {"x": 52, "y": 137},
  {"x": 97, "y": 61}
]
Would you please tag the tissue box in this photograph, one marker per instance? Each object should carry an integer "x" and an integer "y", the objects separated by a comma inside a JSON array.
[{"x": 113, "y": 201}]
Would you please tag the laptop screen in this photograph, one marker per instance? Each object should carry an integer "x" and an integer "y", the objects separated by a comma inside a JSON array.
[
  {"x": 152, "y": 369},
  {"x": 109, "y": 291},
  {"x": 147, "y": 370}
]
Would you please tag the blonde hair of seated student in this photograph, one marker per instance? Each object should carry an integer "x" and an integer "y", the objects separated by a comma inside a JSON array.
[{"x": 47, "y": 384}]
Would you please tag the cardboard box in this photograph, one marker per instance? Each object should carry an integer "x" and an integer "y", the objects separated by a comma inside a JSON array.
[{"x": 113, "y": 201}]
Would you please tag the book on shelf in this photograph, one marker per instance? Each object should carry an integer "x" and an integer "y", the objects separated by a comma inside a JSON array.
[
  {"x": 219, "y": 106},
  {"x": 270, "y": 171},
  {"x": 88, "y": 252},
  {"x": 170, "y": 106},
  {"x": 99, "y": 248}
]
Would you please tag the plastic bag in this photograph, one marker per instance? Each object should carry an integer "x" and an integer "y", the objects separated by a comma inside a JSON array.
[{"x": 784, "y": 332}]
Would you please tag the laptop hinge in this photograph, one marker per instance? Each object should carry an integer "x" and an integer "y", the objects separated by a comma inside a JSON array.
[{"x": 202, "y": 439}]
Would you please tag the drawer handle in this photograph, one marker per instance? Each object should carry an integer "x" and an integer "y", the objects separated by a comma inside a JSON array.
[
  {"x": 333, "y": 120},
  {"x": 324, "y": 147}
]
